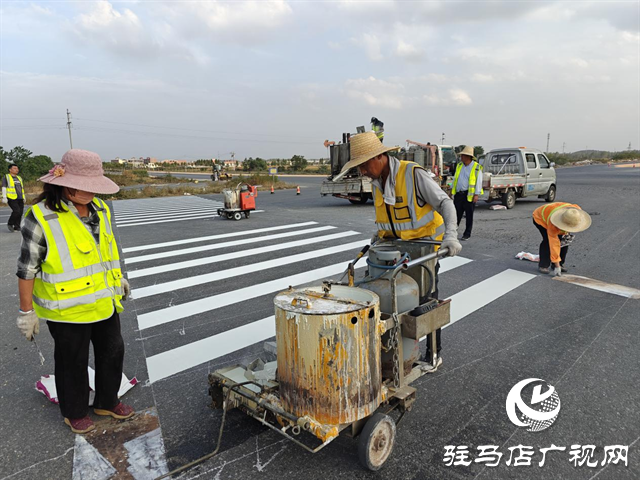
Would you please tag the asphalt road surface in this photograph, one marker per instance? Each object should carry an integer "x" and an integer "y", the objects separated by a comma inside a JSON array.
[{"x": 203, "y": 288}]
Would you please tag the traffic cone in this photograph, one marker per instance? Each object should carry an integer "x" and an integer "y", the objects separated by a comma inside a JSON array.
[
  {"x": 272, "y": 192},
  {"x": 298, "y": 190}
]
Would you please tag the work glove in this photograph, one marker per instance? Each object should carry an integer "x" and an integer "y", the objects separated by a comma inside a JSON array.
[
  {"x": 4, "y": 200},
  {"x": 452, "y": 244},
  {"x": 556, "y": 272},
  {"x": 29, "y": 324},
  {"x": 126, "y": 288},
  {"x": 374, "y": 239}
]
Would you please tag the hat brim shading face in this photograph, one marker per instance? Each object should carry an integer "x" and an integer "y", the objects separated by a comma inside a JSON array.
[
  {"x": 582, "y": 222},
  {"x": 98, "y": 184}
]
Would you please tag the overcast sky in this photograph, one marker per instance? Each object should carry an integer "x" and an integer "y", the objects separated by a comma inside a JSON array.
[{"x": 272, "y": 79}]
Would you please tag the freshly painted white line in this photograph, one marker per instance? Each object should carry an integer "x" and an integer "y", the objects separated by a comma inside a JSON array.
[
  {"x": 161, "y": 208},
  {"x": 171, "y": 267},
  {"x": 474, "y": 298},
  {"x": 190, "y": 213},
  {"x": 168, "y": 211},
  {"x": 215, "y": 237},
  {"x": 217, "y": 246},
  {"x": 615, "y": 289},
  {"x": 185, "y": 310},
  {"x": 179, "y": 359},
  {"x": 246, "y": 269},
  {"x": 179, "y": 219}
]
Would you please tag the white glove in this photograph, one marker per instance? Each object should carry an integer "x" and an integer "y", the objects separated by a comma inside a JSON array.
[
  {"x": 453, "y": 245},
  {"x": 29, "y": 324},
  {"x": 556, "y": 272},
  {"x": 126, "y": 288},
  {"x": 4, "y": 200}
]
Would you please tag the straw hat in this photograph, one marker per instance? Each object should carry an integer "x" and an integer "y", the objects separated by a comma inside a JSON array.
[
  {"x": 571, "y": 219},
  {"x": 363, "y": 147},
  {"x": 468, "y": 150},
  {"x": 82, "y": 170}
]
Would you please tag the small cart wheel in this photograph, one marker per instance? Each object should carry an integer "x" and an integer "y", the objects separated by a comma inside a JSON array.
[
  {"x": 237, "y": 216},
  {"x": 376, "y": 441},
  {"x": 246, "y": 214},
  {"x": 229, "y": 215}
]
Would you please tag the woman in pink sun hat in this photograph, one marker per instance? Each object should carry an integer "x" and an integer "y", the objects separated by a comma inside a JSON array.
[{"x": 69, "y": 275}]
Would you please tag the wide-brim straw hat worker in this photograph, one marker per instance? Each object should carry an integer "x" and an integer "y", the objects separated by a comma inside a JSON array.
[
  {"x": 467, "y": 150},
  {"x": 571, "y": 219},
  {"x": 363, "y": 147},
  {"x": 69, "y": 275}
]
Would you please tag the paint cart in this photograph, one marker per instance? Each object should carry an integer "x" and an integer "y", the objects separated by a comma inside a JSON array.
[
  {"x": 239, "y": 201},
  {"x": 346, "y": 358}
]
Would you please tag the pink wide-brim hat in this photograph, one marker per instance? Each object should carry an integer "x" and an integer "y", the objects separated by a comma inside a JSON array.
[{"x": 82, "y": 170}]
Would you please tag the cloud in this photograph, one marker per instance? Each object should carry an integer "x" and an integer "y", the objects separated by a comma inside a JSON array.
[
  {"x": 408, "y": 51},
  {"x": 482, "y": 78},
  {"x": 453, "y": 97},
  {"x": 371, "y": 44},
  {"x": 375, "y": 92}
]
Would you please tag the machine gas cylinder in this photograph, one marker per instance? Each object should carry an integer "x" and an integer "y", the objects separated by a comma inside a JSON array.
[{"x": 382, "y": 260}]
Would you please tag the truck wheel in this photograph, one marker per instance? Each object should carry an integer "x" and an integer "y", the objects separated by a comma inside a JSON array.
[
  {"x": 376, "y": 441},
  {"x": 237, "y": 216},
  {"x": 361, "y": 201},
  {"x": 551, "y": 194},
  {"x": 509, "y": 199},
  {"x": 229, "y": 215}
]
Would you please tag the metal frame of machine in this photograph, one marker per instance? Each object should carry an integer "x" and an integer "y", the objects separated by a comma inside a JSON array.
[
  {"x": 377, "y": 431},
  {"x": 233, "y": 210}
]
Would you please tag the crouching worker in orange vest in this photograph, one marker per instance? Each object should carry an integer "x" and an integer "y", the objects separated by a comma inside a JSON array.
[
  {"x": 69, "y": 275},
  {"x": 409, "y": 205},
  {"x": 557, "y": 222}
]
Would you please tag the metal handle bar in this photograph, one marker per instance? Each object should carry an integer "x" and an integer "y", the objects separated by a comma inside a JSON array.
[{"x": 419, "y": 261}]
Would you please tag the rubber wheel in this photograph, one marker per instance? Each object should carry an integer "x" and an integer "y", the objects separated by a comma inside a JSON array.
[
  {"x": 509, "y": 199},
  {"x": 229, "y": 216},
  {"x": 220, "y": 211},
  {"x": 361, "y": 201},
  {"x": 551, "y": 194},
  {"x": 237, "y": 216},
  {"x": 246, "y": 214},
  {"x": 376, "y": 441}
]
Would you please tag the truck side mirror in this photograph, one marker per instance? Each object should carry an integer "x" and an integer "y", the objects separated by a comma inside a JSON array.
[{"x": 553, "y": 164}]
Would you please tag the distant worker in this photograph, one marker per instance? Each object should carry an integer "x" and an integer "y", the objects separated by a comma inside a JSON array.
[
  {"x": 69, "y": 275},
  {"x": 557, "y": 222},
  {"x": 13, "y": 195},
  {"x": 467, "y": 185},
  {"x": 423, "y": 212},
  {"x": 378, "y": 128}
]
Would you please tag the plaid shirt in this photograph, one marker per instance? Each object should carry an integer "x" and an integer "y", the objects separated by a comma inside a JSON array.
[{"x": 34, "y": 244}]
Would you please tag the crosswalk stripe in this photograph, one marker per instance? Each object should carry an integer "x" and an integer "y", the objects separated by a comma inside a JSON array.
[
  {"x": 191, "y": 213},
  {"x": 182, "y": 358},
  {"x": 171, "y": 267},
  {"x": 167, "y": 211},
  {"x": 189, "y": 309},
  {"x": 217, "y": 246},
  {"x": 216, "y": 237},
  {"x": 180, "y": 219},
  {"x": 251, "y": 268},
  {"x": 162, "y": 205}
]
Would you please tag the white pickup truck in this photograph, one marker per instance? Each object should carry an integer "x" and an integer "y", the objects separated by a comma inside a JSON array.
[{"x": 511, "y": 173}]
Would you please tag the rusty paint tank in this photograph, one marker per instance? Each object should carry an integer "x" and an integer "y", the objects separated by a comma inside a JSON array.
[{"x": 329, "y": 353}]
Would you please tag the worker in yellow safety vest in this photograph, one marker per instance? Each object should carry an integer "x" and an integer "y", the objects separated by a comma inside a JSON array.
[
  {"x": 69, "y": 275},
  {"x": 557, "y": 222},
  {"x": 378, "y": 128},
  {"x": 467, "y": 185},
  {"x": 409, "y": 205},
  {"x": 13, "y": 195}
]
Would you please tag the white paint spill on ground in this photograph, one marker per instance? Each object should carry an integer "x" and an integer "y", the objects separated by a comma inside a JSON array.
[
  {"x": 147, "y": 456},
  {"x": 620, "y": 290},
  {"x": 88, "y": 463}
]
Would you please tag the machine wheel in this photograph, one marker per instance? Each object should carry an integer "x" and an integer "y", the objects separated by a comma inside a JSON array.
[
  {"x": 376, "y": 441},
  {"x": 246, "y": 214},
  {"x": 237, "y": 216},
  {"x": 220, "y": 211},
  {"x": 509, "y": 199},
  {"x": 363, "y": 199},
  {"x": 229, "y": 215},
  {"x": 551, "y": 194}
]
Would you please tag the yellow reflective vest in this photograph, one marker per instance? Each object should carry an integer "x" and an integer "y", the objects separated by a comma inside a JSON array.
[
  {"x": 407, "y": 219},
  {"x": 471, "y": 191},
  {"x": 79, "y": 280},
  {"x": 12, "y": 193}
]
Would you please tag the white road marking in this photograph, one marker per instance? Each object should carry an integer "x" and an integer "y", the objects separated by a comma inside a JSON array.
[
  {"x": 201, "y": 351},
  {"x": 180, "y": 219},
  {"x": 215, "y": 237},
  {"x": 217, "y": 246},
  {"x": 185, "y": 310},
  {"x": 246, "y": 269},
  {"x": 621, "y": 290},
  {"x": 189, "y": 213},
  {"x": 161, "y": 205},
  {"x": 143, "y": 272},
  {"x": 167, "y": 211}
]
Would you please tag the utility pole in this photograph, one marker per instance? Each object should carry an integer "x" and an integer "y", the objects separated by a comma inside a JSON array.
[
  {"x": 69, "y": 127},
  {"x": 442, "y": 142},
  {"x": 548, "y": 137},
  {"x": 629, "y": 147},
  {"x": 563, "y": 147}
]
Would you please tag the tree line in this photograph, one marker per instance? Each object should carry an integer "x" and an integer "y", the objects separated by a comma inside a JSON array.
[{"x": 31, "y": 166}]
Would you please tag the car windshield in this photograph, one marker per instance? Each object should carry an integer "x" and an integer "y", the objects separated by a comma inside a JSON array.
[{"x": 448, "y": 157}]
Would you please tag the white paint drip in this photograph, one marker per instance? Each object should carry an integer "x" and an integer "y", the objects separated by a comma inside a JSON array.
[
  {"x": 147, "y": 456},
  {"x": 88, "y": 463}
]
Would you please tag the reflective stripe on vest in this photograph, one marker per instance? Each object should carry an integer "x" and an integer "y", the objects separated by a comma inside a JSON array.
[
  {"x": 544, "y": 209},
  {"x": 12, "y": 193},
  {"x": 471, "y": 190},
  {"x": 410, "y": 220},
  {"x": 80, "y": 279}
]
